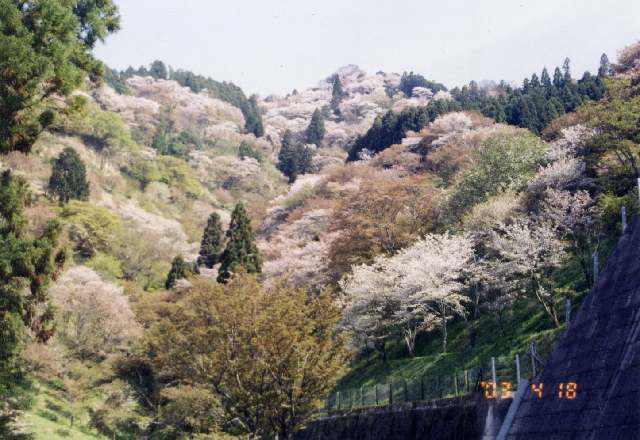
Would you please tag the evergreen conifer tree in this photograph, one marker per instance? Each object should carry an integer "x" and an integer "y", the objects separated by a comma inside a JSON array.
[
  {"x": 158, "y": 70},
  {"x": 69, "y": 177},
  {"x": 241, "y": 251},
  {"x": 337, "y": 94},
  {"x": 566, "y": 70},
  {"x": 287, "y": 161},
  {"x": 26, "y": 266},
  {"x": 315, "y": 130},
  {"x": 545, "y": 79},
  {"x": 605, "y": 66},
  {"x": 46, "y": 53},
  {"x": 557, "y": 78},
  {"x": 211, "y": 246},
  {"x": 179, "y": 270}
]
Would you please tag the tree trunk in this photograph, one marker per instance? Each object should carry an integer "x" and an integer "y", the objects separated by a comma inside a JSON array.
[{"x": 444, "y": 329}]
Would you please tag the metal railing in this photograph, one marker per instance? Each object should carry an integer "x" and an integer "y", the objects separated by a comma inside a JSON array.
[{"x": 496, "y": 377}]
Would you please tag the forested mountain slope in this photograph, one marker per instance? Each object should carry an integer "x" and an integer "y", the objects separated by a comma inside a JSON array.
[{"x": 181, "y": 260}]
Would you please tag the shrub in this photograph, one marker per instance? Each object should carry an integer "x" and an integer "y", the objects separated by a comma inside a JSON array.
[{"x": 91, "y": 227}]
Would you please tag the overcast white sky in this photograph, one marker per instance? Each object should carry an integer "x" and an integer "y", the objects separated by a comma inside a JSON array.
[{"x": 273, "y": 46}]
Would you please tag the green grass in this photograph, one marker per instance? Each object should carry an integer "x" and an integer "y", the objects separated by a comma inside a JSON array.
[{"x": 53, "y": 416}]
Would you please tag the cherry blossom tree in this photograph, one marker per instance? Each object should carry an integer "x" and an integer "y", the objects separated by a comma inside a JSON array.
[
  {"x": 576, "y": 218},
  {"x": 416, "y": 290},
  {"x": 524, "y": 255},
  {"x": 95, "y": 316}
]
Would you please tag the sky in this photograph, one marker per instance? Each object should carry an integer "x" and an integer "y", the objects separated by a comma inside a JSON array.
[{"x": 274, "y": 46}]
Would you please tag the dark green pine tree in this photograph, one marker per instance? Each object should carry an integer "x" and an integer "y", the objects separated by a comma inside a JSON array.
[
  {"x": 545, "y": 80},
  {"x": 605, "y": 66},
  {"x": 158, "y": 70},
  {"x": 566, "y": 71},
  {"x": 557, "y": 78},
  {"x": 337, "y": 94},
  {"x": 26, "y": 266},
  {"x": 179, "y": 270},
  {"x": 315, "y": 130},
  {"x": 287, "y": 157},
  {"x": 212, "y": 243},
  {"x": 241, "y": 251},
  {"x": 69, "y": 177}
]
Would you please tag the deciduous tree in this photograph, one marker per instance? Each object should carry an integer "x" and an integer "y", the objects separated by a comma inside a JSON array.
[{"x": 269, "y": 357}]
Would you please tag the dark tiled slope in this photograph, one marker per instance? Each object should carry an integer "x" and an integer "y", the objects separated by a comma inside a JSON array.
[{"x": 600, "y": 351}]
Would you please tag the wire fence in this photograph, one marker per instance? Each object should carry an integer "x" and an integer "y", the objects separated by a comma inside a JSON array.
[{"x": 495, "y": 377}]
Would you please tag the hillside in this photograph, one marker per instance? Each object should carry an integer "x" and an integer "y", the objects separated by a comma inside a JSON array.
[{"x": 181, "y": 260}]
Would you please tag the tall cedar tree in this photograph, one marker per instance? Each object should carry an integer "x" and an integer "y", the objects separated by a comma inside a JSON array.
[
  {"x": 212, "y": 243},
  {"x": 45, "y": 52},
  {"x": 294, "y": 158},
  {"x": 179, "y": 270},
  {"x": 69, "y": 177},
  {"x": 337, "y": 93},
  {"x": 26, "y": 266},
  {"x": 315, "y": 130},
  {"x": 241, "y": 250}
]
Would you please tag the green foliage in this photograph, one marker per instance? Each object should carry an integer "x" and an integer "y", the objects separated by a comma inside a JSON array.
[
  {"x": 411, "y": 80},
  {"x": 103, "y": 130},
  {"x": 92, "y": 228},
  {"x": 212, "y": 243},
  {"x": 270, "y": 357},
  {"x": 106, "y": 265},
  {"x": 299, "y": 197},
  {"x": 246, "y": 150},
  {"x": 45, "y": 50},
  {"x": 179, "y": 270},
  {"x": 113, "y": 78},
  {"x": 69, "y": 177},
  {"x": 293, "y": 158},
  {"x": 241, "y": 252},
  {"x": 614, "y": 152},
  {"x": 26, "y": 265},
  {"x": 505, "y": 161},
  {"x": 315, "y": 131},
  {"x": 170, "y": 170}
]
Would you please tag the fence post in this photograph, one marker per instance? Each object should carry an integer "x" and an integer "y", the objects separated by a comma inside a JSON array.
[
  {"x": 455, "y": 383},
  {"x": 517, "y": 368},
  {"x": 466, "y": 380},
  {"x": 376, "y": 388},
  {"x": 338, "y": 400},
  {"x": 390, "y": 392},
  {"x": 624, "y": 219},
  {"x": 406, "y": 391},
  {"x": 533, "y": 358},
  {"x": 596, "y": 268},
  {"x": 567, "y": 312},
  {"x": 493, "y": 376}
]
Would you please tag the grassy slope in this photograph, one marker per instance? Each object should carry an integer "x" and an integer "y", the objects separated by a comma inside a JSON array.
[{"x": 51, "y": 415}]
